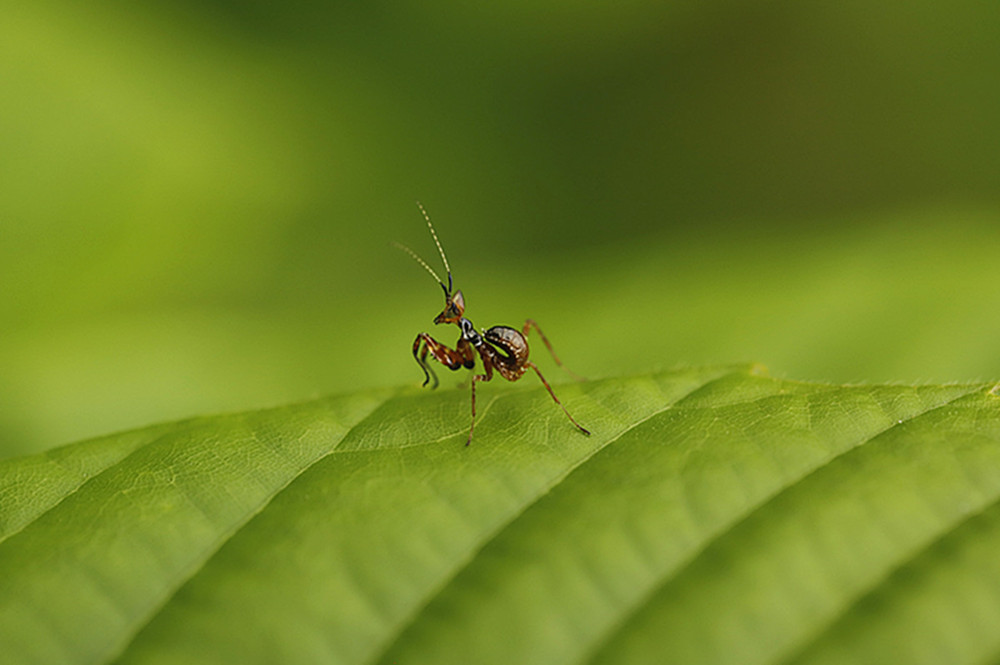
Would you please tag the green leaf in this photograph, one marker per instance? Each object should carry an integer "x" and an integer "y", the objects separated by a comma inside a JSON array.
[{"x": 716, "y": 515}]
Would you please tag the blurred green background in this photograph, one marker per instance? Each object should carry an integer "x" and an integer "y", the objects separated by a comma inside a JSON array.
[{"x": 197, "y": 199}]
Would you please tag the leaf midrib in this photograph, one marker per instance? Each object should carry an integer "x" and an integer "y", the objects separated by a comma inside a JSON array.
[{"x": 462, "y": 562}]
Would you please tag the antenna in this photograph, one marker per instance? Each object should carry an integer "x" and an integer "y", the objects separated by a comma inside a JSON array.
[
  {"x": 438, "y": 243},
  {"x": 419, "y": 260}
]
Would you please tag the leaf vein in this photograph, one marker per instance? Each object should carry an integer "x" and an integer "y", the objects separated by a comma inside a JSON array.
[
  {"x": 180, "y": 580},
  {"x": 671, "y": 576},
  {"x": 464, "y": 562},
  {"x": 84, "y": 481},
  {"x": 881, "y": 582}
]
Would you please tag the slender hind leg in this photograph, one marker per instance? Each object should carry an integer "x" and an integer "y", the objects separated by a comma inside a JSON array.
[
  {"x": 549, "y": 388},
  {"x": 531, "y": 323}
]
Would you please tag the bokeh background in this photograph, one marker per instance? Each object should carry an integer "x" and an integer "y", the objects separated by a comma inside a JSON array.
[{"x": 197, "y": 198}]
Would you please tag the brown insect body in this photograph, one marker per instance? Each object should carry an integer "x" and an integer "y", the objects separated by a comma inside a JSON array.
[
  {"x": 508, "y": 350},
  {"x": 499, "y": 348}
]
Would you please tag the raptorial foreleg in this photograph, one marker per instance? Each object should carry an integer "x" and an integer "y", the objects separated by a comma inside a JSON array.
[{"x": 461, "y": 356}]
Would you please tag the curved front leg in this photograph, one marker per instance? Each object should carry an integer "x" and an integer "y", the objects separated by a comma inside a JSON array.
[{"x": 424, "y": 344}]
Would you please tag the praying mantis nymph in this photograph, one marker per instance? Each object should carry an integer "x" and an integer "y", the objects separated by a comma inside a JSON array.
[{"x": 500, "y": 348}]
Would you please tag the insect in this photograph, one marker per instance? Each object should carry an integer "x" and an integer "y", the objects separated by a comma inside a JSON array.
[{"x": 501, "y": 349}]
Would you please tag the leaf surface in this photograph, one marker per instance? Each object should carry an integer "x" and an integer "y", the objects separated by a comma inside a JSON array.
[{"x": 716, "y": 515}]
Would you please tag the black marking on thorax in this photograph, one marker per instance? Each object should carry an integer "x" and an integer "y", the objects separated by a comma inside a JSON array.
[{"x": 469, "y": 332}]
